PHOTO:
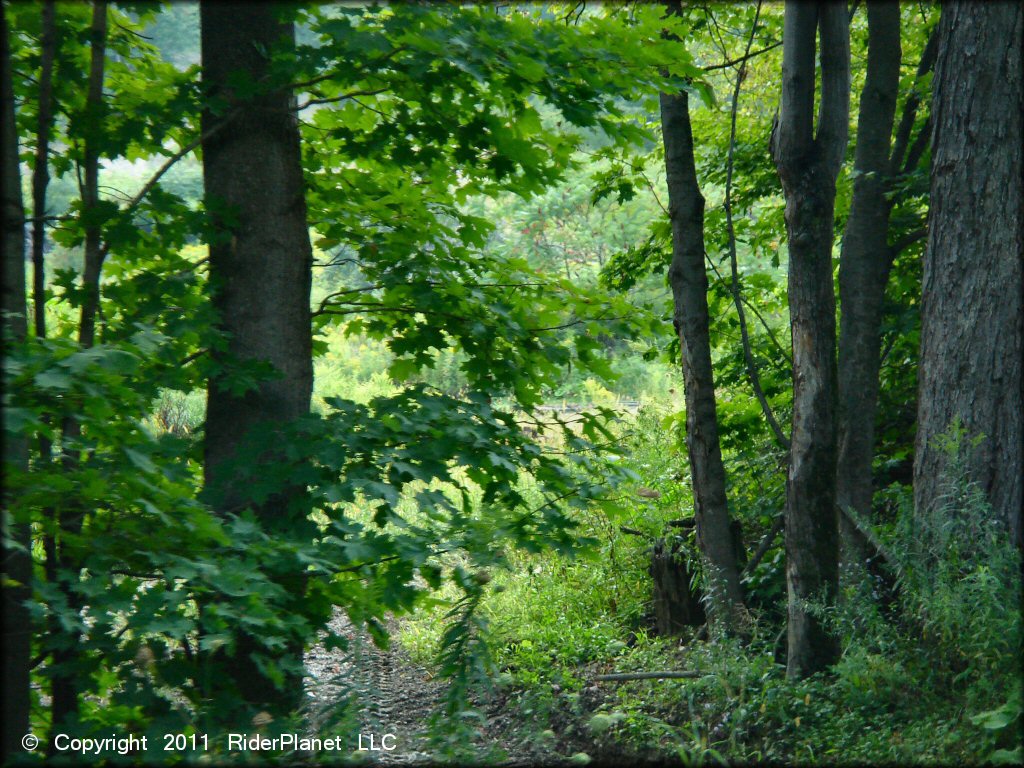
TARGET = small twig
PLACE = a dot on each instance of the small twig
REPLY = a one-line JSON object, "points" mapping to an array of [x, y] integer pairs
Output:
{"points": [[329, 75], [571, 12], [123, 28], [575, 322], [371, 307], [888, 348], [764, 323], [384, 115], [716, 29], [335, 262], [342, 97], [745, 57], [652, 189], [327, 299]]}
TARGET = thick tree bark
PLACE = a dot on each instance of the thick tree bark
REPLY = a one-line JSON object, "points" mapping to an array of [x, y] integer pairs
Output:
{"points": [[260, 268], [971, 311], [689, 282], [808, 166], [864, 267], [17, 563]]}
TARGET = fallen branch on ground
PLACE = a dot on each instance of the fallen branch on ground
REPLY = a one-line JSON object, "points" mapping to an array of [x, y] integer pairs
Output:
{"points": [[620, 676]]}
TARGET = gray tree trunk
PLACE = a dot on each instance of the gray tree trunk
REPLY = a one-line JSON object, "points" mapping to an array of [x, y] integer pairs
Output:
{"points": [[261, 271], [688, 279], [17, 563], [864, 267], [971, 311], [808, 165]]}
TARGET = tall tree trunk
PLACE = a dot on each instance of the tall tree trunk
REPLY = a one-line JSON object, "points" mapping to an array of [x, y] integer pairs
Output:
{"points": [[40, 183], [94, 251], [688, 278], [17, 562], [864, 267], [261, 271], [808, 166], [971, 312], [65, 684]]}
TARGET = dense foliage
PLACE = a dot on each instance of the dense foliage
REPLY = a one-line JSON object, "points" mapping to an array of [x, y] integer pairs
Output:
{"points": [[497, 436]]}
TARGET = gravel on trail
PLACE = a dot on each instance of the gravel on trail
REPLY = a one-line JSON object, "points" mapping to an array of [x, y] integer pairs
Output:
{"points": [[394, 695], [391, 694]]}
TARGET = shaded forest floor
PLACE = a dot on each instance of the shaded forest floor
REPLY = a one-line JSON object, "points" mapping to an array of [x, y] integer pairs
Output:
{"points": [[383, 691]]}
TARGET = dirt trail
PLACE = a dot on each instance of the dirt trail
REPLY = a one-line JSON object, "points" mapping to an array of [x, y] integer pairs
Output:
{"points": [[396, 696], [391, 694]]}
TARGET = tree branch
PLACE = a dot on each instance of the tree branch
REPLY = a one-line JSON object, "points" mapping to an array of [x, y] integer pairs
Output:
{"points": [[752, 374], [185, 150], [580, 321], [747, 303], [742, 59], [369, 307], [920, 144], [906, 241], [329, 75], [137, 199], [888, 348], [342, 97], [766, 543], [327, 299], [623, 676], [188, 359], [910, 107], [873, 541]]}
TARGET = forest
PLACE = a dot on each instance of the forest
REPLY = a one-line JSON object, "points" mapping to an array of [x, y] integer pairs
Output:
{"points": [[512, 384]]}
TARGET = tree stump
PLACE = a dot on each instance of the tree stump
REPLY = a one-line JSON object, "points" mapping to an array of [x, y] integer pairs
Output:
{"points": [[676, 604]]}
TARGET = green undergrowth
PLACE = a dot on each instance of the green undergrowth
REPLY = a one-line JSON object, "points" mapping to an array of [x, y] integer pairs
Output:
{"points": [[929, 673]]}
